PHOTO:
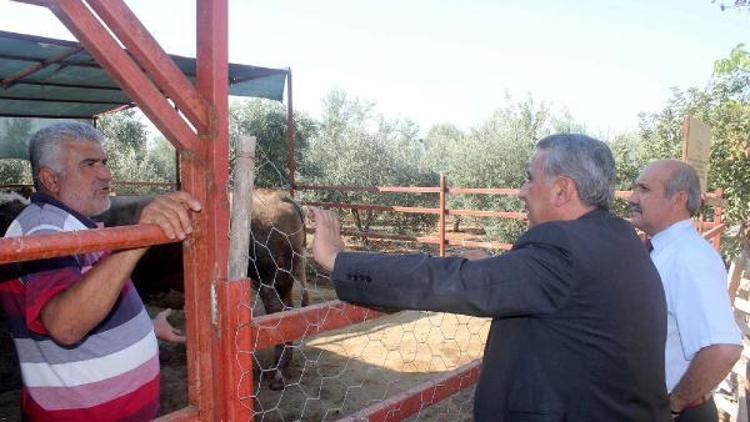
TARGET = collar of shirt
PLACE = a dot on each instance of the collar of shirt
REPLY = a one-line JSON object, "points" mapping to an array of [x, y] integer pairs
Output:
{"points": [[671, 233], [41, 198]]}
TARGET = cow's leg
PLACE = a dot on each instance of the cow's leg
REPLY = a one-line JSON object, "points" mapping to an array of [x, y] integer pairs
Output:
{"points": [[300, 275], [284, 352], [275, 299]]}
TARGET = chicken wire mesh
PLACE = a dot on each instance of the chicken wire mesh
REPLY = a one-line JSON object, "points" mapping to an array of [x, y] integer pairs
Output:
{"points": [[336, 373]]}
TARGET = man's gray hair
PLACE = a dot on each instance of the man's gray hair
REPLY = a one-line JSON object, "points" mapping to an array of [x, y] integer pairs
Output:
{"points": [[684, 178], [45, 143], [587, 161]]}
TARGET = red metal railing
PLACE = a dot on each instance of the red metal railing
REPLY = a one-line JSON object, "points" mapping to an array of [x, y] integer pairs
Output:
{"points": [[134, 183], [27, 248], [714, 199], [412, 401]]}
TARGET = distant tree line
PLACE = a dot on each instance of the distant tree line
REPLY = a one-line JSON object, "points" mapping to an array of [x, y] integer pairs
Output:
{"points": [[353, 144]]}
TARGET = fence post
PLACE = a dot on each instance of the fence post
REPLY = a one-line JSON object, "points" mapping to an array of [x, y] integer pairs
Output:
{"points": [[718, 216], [242, 207], [443, 192], [291, 162]]}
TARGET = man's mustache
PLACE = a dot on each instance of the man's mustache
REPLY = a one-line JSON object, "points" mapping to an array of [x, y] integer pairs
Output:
{"points": [[635, 208]]}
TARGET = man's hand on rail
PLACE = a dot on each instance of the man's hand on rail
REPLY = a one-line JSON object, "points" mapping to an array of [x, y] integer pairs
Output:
{"points": [[172, 213], [328, 241]]}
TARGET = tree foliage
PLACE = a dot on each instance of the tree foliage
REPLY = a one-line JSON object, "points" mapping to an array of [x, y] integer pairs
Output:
{"points": [[494, 154], [353, 144], [132, 156], [724, 104], [267, 121], [357, 146]]}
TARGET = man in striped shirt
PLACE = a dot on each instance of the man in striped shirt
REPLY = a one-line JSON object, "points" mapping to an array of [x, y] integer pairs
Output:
{"points": [[86, 345]]}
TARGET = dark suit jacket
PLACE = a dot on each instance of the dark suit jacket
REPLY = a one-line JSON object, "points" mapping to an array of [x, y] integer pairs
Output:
{"points": [[579, 318]]}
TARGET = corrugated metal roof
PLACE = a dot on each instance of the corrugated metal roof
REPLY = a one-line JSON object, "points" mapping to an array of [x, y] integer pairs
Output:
{"points": [[49, 78]]}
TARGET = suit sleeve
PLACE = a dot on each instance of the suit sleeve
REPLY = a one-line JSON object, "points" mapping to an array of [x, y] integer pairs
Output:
{"points": [[534, 278]]}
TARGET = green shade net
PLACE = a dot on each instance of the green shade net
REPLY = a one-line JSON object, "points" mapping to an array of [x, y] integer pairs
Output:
{"points": [[70, 84]]}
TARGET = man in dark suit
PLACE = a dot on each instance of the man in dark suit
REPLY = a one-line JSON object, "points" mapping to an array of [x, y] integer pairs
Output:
{"points": [[578, 309]]}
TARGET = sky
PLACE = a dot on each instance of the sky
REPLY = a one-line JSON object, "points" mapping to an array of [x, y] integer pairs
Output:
{"points": [[456, 61]]}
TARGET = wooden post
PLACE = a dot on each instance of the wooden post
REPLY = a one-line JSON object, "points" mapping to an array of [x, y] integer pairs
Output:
{"points": [[242, 204], [290, 131], [718, 216], [443, 191]]}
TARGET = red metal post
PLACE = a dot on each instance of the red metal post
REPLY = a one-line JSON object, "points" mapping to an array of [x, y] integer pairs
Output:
{"points": [[442, 213], [216, 348], [238, 361], [290, 132]]}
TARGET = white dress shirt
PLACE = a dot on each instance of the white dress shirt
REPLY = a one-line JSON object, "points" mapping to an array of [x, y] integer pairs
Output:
{"points": [[695, 283]]}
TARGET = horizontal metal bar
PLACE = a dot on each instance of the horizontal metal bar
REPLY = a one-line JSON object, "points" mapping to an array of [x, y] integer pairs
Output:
{"points": [[36, 38], [12, 79], [374, 189], [432, 240], [408, 210], [21, 58], [61, 62], [114, 182], [476, 244], [270, 330], [418, 210], [64, 85], [715, 231], [414, 400], [66, 100], [715, 201], [137, 183], [483, 191], [387, 236], [47, 116], [259, 75], [29, 248], [499, 214], [378, 235]]}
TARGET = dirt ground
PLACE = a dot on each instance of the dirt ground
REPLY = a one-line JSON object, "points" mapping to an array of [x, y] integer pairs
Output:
{"points": [[342, 371]]}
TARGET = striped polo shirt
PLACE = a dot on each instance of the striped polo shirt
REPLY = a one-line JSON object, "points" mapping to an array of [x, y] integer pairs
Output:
{"points": [[110, 374]]}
